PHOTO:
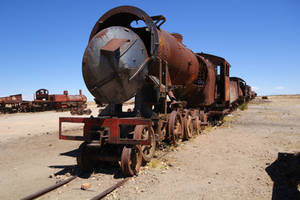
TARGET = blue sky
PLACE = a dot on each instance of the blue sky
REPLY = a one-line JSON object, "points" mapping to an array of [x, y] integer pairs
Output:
{"points": [[42, 42]]}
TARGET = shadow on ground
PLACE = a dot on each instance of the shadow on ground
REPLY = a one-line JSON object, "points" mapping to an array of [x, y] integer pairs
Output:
{"points": [[285, 173], [103, 168]]}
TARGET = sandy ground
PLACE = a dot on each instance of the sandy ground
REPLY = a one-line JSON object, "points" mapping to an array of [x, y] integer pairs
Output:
{"points": [[14, 126], [226, 162]]}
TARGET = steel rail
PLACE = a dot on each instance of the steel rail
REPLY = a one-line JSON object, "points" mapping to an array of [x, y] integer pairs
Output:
{"points": [[120, 183], [110, 189], [99, 196], [49, 189]]}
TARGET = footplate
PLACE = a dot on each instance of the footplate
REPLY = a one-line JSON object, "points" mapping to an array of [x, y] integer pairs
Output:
{"points": [[112, 123]]}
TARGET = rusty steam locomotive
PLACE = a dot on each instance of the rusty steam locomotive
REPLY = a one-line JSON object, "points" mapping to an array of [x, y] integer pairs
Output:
{"points": [[44, 101], [176, 91]]}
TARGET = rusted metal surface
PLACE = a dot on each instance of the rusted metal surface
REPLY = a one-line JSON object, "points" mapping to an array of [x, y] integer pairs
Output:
{"points": [[203, 119], [252, 94], [241, 88], [43, 101], [11, 103], [144, 132], [158, 44], [176, 90], [202, 93], [176, 127], [17, 98], [247, 92], [161, 131], [124, 16], [223, 83], [111, 123], [42, 94], [114, 64], [196, 122], [82, 110], [234, 92], [131, 161], [178, 37], [216, 112], [188, 124], [110, 189], [181, 61], [60, 97], [197, 72]]}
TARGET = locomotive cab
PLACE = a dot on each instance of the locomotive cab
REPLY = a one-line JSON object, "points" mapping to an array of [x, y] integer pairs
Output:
{"points": [[42, 94], [222, 68]]}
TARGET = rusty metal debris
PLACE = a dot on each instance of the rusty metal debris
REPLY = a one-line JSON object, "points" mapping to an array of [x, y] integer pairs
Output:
{"points": [[110, 189]]}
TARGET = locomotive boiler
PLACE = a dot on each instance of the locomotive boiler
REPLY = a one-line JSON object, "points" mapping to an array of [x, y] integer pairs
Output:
{"points": [[175, 90], [120, 59]]}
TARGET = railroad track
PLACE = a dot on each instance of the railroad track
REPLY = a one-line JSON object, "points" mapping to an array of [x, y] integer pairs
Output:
{"points": [[49, 189], [72, 178], [100, 195]]}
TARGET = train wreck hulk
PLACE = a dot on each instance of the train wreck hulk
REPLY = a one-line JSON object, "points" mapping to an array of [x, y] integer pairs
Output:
{"points": [[176, 90], [44, 101]]}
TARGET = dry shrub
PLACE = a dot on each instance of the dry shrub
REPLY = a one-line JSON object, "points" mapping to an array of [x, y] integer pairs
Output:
{"points": [[154, 163], [243, 106]]}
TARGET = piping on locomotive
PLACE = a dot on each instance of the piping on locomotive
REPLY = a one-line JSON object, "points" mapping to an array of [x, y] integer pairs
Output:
{"points": [[175, 90]]}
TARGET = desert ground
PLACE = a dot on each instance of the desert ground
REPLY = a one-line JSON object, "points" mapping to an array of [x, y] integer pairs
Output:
{"points": [[228, 161]]}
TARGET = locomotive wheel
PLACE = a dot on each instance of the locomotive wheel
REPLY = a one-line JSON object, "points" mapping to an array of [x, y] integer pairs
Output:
{"points": [[144, 132], [196, 123], [161, 130], [72, 111], [188, 125], [83, 158], [175, 127], [203, 118], [131, 161]]}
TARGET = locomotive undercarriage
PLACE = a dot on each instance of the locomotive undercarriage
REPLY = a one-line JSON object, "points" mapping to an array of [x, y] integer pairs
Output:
{"points": [[130, 138]]}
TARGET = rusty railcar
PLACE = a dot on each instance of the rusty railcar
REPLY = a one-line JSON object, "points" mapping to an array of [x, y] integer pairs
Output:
{"points": [[241, 90], [44, 101], [175, 90], [11, 103]]}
